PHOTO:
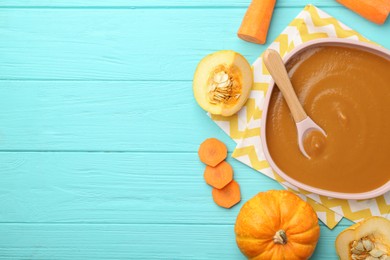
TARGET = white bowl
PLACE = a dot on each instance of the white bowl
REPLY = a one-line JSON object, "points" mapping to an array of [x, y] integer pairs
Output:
{"points": [[321, 42]]}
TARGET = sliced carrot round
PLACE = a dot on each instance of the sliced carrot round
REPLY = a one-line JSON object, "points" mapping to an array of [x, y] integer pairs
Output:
{"points": [[228, 196], [212, 151], [218, 176]]}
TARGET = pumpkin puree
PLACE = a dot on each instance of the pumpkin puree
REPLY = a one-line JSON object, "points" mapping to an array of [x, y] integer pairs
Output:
{"points": [[346, 91]]}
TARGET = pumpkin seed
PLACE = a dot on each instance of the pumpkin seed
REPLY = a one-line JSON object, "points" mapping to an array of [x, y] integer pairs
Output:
{"points": [[217, 77], [222, 88], [212, 87], [224, 84], [355, 251], [359, 246], [224, 78], [221, 77], [376, 252], [368, 245], [218, 94], [384, 257], [212, 101], [218, 98], [381, 247], [357, 257]]}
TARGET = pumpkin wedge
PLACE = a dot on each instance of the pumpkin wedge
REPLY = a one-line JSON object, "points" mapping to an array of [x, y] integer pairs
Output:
{"points": [[369, 239], [222, 82], [276, 225]]}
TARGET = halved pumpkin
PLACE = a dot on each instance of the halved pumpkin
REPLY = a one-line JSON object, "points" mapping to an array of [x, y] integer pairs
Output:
{"points": [[369, 239], [222, 82]]}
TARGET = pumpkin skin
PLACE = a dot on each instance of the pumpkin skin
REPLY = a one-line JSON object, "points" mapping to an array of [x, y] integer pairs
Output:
{"points": [[263, 219]]}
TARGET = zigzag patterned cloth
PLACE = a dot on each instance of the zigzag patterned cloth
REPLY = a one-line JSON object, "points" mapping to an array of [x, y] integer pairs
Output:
{"points": [[244, 127]]}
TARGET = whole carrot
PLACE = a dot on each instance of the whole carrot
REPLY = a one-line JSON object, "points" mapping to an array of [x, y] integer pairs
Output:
{"points": [[374, 10], [255, 24]]}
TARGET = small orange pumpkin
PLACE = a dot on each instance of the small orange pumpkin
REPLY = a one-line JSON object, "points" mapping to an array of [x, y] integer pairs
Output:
{"points": [[277, 224]]}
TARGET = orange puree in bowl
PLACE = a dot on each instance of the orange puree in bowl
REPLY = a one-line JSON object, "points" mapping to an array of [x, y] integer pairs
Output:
{"points": [[346, 91]]}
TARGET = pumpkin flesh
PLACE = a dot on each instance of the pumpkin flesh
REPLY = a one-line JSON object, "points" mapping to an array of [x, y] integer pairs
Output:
{"points": [[373, 231], [222, 82]]}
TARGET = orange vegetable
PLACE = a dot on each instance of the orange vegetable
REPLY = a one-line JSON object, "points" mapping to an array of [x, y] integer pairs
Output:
{"points": [[386, 3], [222, 82], [374, 10], [228, 196], [218, 176], [277, 224], [365, 240], [212, 151], [255, 24]]}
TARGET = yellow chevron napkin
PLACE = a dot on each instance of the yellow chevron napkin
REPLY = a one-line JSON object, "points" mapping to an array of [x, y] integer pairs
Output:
{"points": [[244, 127]]}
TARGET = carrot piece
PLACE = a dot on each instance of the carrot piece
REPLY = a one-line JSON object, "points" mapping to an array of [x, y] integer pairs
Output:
{"points": [[212, 151], [218, 176], [228, 196], [374, 10], [255, 24], [386, 3]]}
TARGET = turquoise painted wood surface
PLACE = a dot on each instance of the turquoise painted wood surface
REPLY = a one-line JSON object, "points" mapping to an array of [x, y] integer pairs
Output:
{"points": [[99, 129]]}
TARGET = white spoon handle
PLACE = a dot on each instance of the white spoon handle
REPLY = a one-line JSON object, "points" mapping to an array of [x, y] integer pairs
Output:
{"points": [[276, 68]]}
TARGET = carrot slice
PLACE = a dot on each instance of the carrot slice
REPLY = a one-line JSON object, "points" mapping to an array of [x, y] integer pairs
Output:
{"points": [[228, 196], [212, 151], [218, 176], [255, 24], [374, 10]]}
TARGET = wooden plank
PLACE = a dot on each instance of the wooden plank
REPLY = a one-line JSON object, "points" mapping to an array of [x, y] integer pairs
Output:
{"points": [[115, 188], [134, 188], [103, 116], [125, 44], [47, 242], [155, 3]]}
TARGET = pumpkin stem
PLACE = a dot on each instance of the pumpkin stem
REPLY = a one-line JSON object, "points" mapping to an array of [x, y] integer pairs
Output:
{"points": [[280, 237]]}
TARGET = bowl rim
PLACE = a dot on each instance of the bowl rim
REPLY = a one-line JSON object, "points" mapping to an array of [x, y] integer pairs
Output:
{"points": [[370, 47]]}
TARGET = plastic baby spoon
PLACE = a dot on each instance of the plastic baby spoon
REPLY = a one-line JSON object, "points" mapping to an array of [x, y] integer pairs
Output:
{"points": [[304, 123]]}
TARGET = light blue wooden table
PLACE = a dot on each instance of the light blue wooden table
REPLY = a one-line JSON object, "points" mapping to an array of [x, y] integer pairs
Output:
{"points": [[99, 129]]}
